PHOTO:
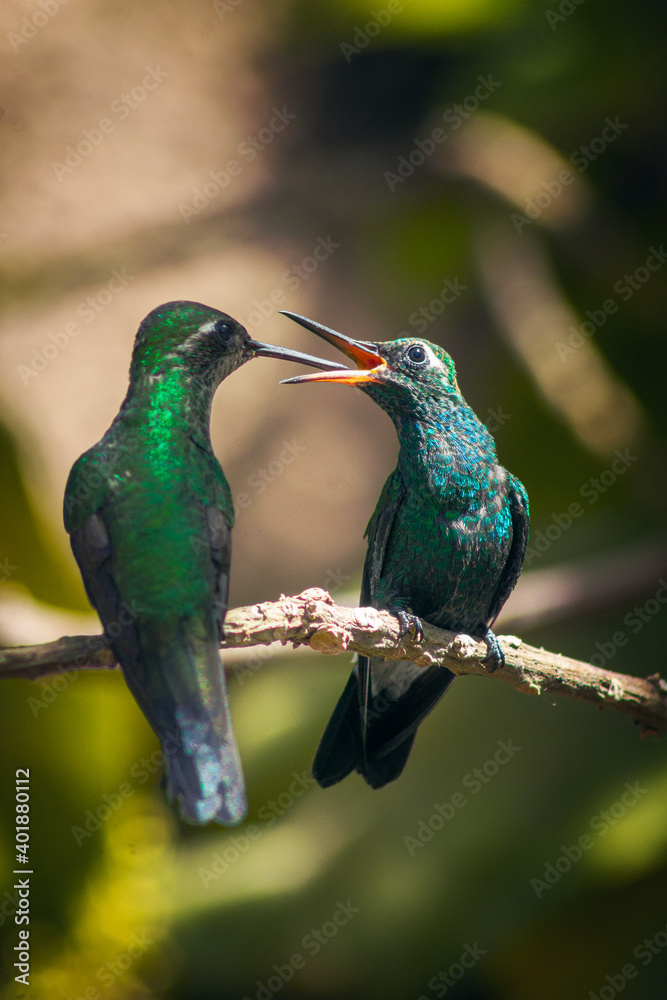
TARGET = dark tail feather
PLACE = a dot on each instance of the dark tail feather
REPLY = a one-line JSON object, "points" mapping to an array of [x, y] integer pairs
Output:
{"points": [[181, 691], [378, 771], [341, 747], [374, 734], [178, 682], [392, 721]]}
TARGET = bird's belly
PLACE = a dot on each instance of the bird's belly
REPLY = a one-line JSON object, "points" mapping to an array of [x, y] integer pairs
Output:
{"points": [[446, 566]]}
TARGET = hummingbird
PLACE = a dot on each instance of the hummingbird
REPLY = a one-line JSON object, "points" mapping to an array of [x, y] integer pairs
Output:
{"points": [[446, 543], [150, 514]]}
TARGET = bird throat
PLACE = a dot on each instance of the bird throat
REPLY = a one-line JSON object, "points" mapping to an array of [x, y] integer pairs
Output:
{"points": [[169, 404], [446, 450]]}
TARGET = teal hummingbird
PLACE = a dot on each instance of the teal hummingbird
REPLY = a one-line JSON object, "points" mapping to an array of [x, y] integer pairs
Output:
{"points": [[445, 544], [150, 516]]}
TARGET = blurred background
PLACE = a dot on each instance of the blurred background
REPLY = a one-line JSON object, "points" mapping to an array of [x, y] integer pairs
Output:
{"points": [[488, 174]]}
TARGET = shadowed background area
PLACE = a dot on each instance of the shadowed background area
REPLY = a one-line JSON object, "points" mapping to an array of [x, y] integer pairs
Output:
{"points": [[483, 173]]}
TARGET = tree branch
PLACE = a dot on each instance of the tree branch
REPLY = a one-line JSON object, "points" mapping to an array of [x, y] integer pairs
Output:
{"points": [[312, 619]]}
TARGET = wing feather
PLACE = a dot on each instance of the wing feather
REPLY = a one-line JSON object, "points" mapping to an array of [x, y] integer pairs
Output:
{"points": [[520, 514]]}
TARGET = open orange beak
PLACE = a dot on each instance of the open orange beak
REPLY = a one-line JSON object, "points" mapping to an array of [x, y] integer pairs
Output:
{"points": [[362, 352]]}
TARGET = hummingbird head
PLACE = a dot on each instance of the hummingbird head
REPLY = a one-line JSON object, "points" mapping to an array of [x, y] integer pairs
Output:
{"points": [[409, 376], [202, 343]]}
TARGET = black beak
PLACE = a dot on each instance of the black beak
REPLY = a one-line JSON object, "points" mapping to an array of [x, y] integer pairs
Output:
{"points": [[362, 352], [285, 354]]}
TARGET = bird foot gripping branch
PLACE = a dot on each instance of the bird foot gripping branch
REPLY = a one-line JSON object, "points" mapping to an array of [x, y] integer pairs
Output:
{"points": [[313, 619], [465, 648]]}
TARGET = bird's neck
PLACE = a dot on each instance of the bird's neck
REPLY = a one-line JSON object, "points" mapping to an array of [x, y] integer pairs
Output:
{"points": [[447, 446], [169, 404]]}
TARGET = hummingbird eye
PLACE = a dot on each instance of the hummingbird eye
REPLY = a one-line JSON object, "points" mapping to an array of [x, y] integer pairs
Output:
{"points": [[417, 354], [223, 331]]}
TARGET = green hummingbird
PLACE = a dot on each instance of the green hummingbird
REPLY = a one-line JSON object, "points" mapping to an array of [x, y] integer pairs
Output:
{"points": [[445, 544], [150, 516]]}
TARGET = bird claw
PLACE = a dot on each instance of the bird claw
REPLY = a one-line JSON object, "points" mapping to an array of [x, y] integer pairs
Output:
{"points": [[495, 656], [409, 624]]}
